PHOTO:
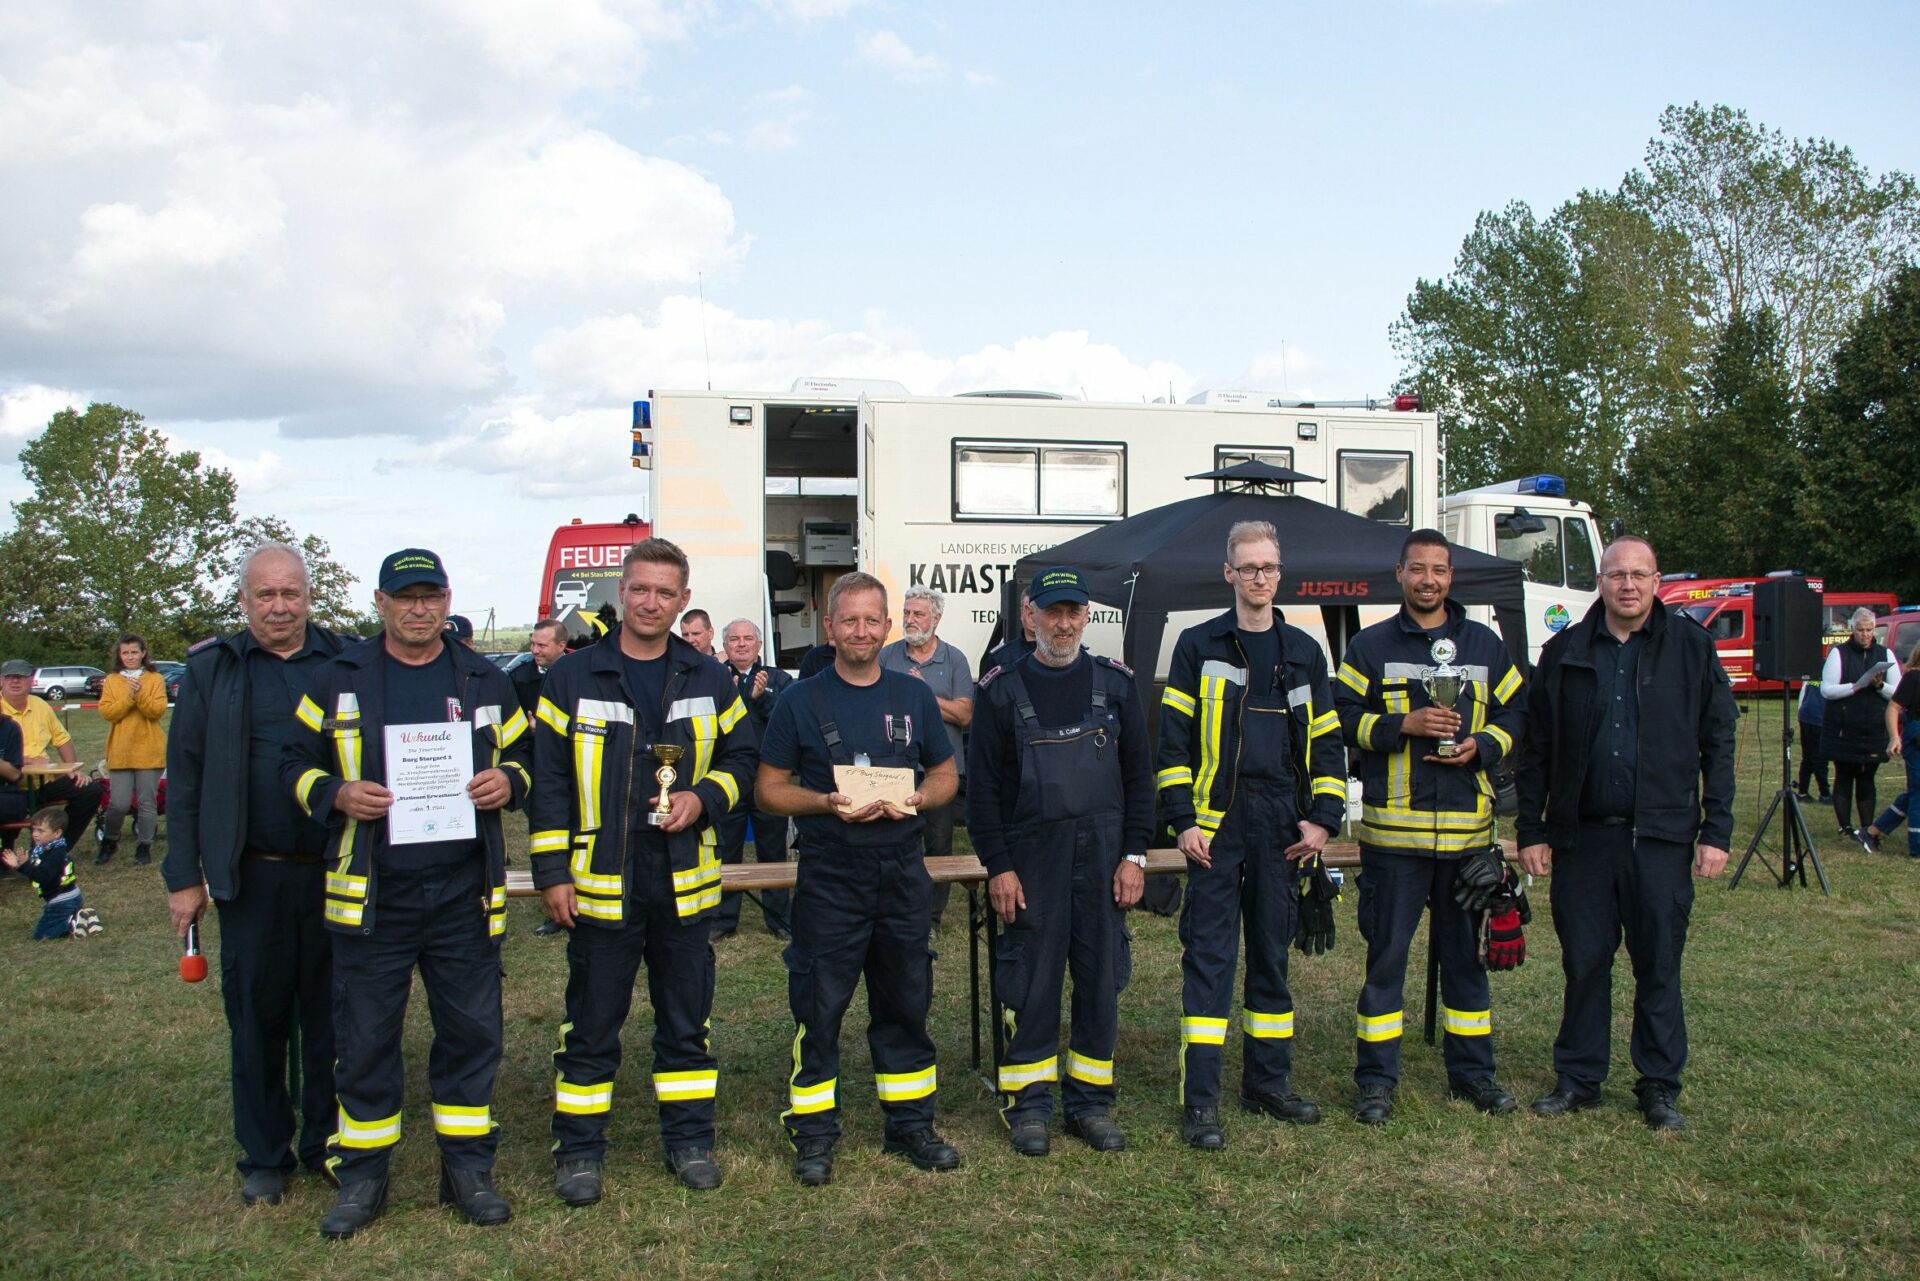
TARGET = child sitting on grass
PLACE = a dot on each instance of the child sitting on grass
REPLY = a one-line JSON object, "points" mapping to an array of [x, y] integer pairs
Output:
{"points": [[51, 871]]}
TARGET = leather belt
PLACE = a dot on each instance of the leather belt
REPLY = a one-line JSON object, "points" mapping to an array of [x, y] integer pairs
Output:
{"points": [[267, 856]]}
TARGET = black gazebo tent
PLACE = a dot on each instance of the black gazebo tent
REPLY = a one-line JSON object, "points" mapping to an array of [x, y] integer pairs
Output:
{"points": [[1169, 559]]}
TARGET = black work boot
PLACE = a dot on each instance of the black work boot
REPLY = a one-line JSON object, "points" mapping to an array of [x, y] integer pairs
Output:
{"points": [[1657, 1109], [1200, 1127], [1029, 1138], [813, 1162], [142, 854], [263, 1187], [577, 1182], [105, 852], [357, 1205], [1564, 1099], [1374, 1105], [1281, 1104], [471, 1192], [926, 1149], [694, 1168], [1097, 1131], [1484, 1093]]}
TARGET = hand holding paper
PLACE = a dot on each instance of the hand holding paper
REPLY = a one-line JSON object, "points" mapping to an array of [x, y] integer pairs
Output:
{"points": [[868, 785]]}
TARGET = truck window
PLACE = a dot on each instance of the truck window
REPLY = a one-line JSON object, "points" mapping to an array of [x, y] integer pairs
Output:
{"points": [[1377, 484], [1582, 567], [1728, 624], [1534, 543], [994, 480], [1230, 455]]}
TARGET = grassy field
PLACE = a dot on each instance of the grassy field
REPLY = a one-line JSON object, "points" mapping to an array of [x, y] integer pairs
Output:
{"points": [[1803, 1101]]}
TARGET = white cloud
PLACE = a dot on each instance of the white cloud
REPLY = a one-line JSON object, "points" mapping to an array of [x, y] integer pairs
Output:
{"points": [[783, 112], [886, 50], [258, 477], [24, 411], [572, 41], [806, 11]]}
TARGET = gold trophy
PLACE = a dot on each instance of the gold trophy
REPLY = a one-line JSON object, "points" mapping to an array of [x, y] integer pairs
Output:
{"points": [[1443, 683], [666, 754]]}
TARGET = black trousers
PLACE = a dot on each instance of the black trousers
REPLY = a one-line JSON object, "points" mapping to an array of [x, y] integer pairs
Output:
{"points": [[1251, 879], [1813, 766], [602, 963], [1853, 787], [1070, 924], [769, 846], [436, 921], [1607, 887], [861, 910], [1395, 890], [276, 973], [82, 801]]}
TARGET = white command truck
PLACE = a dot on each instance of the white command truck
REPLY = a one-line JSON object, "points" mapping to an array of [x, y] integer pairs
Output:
{"points": [[1553, 537], [774, 496]]}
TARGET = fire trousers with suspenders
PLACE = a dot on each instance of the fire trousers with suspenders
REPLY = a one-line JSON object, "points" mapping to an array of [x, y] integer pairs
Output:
{"points": [[861, 907], [1066, 841]]}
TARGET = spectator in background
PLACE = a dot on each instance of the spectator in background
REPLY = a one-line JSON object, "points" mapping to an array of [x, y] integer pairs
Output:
{"points": [[1813, 766], [1854, 736], [759, 688], [51, 871], [460, 628], [547, 644], [132, 701], [922, 654], [696, 629], [1903, 740], [13, 797], [41, 732]]}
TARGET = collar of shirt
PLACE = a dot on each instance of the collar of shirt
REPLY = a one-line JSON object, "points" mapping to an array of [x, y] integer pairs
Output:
{"points": [[249, 643]]}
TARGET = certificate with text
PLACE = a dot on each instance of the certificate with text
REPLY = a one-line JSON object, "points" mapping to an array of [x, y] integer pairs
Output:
{"points": [[428, 769]]}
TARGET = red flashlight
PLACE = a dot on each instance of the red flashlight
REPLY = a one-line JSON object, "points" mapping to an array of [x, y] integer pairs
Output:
{"points": [[193, 966]]}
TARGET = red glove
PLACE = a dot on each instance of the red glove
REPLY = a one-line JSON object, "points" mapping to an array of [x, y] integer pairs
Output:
{"points": [[1506, 938]]}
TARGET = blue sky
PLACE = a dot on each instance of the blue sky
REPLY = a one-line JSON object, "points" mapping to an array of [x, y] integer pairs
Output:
{"points": [[400, 264]]}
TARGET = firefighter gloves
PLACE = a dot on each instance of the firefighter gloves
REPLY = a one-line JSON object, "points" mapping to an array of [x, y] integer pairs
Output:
{"points": [[1317, 897], [1480, 874]]}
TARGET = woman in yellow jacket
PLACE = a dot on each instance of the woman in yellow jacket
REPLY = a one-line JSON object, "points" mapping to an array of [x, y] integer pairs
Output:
{"points": [[132, 701]]}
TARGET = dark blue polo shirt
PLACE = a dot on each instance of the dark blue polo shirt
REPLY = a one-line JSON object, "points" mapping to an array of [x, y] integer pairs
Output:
{"points": [[424, 695], [275, 822]]}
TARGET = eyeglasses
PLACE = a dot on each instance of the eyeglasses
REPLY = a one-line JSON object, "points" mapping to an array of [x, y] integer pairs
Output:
{"points": [[1620, 577], [1252, 573]]}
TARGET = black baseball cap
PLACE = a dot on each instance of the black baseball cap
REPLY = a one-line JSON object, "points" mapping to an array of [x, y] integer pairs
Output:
{"points": [[460, 627], [409, 567], [1061, 583]]}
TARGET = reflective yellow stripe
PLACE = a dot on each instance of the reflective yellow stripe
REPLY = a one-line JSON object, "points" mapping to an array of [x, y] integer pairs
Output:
{"points": [[1330, 786], [303, 790], [705, 730], [1173, 776], [1092, 1071], [679, 1087], [900, 1087], [461, 1123], [807, 1099], [516, 726], [1198, 1030], [588, 752], [1018, 1076], [1178, 700], [1508, 684], [1426, 842], [733, 715], [1466, 1022], [383, 1133], [555, 719], [520, 771], [1377, 1027], [548, 842], [705, 870], [347, 886], [581, 1100], [1350, 677], [727, 785], [1267, 1027], [1212, 717], [496, 923], [344, 913], [694, 904], [308, 713], [1452, 820], [598, 909], [1363, 732], [1323, 724], [1499, 736]]}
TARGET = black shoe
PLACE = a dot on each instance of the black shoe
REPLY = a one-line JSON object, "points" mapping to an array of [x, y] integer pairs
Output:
{"points": [[1657, 1110], [1564, 1100], [925, 1149], [142, 855], [1825, 798], [1484, 1093], [105, 852], [547, 927], [1869, 841], [471, 1192], [1848, 834], [263, 1187], [357, 1205], [813, 1162], [577, 1182], [1374, 1105], [694, 1167], [1282, 1105], [1803, 798], [1029, 1138], [1097, 1131], [1200, 1127]]}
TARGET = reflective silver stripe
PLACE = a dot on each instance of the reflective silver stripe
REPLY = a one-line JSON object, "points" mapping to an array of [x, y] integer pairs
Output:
{"points": [[1299, 696], [600, 709], [488, 715], [1403, 671], [684, 708], [1223, 671]]}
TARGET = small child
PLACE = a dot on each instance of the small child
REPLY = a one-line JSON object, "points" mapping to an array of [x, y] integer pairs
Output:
{"points": [[51, 871]]}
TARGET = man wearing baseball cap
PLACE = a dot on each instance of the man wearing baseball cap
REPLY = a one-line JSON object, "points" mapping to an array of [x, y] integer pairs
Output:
{"points": [[40, 733], [427, 892], [1060, 812]]}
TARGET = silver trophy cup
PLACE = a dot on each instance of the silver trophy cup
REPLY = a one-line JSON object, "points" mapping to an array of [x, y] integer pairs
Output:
{"points": [[1443, 684]]}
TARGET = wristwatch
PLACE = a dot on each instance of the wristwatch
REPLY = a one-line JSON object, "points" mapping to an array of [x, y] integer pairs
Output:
{"points": [[1138, 860]]}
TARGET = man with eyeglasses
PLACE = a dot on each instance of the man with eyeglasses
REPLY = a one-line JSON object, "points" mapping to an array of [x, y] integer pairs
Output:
{"points": [[1426, 825], [1626, 786], [1252, 778]]}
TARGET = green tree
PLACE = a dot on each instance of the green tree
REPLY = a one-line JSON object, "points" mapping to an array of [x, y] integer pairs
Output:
{"points": [[1796, 227], [1859, 503]]}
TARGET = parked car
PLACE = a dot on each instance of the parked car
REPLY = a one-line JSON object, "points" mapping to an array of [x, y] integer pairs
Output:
{"points": [[168, 669], [510, 661], [58, 684], [1899, 631]]}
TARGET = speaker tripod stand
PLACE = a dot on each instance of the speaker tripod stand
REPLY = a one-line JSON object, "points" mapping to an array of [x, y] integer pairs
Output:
{"points": [[1796, 842]]}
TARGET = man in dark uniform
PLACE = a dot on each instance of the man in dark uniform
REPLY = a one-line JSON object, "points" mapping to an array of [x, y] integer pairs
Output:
{"points": [[758, 686], [1426, 818], [232, 827], [632, 883], [1626, 786], [861, 902], [1060, 811], [547, 643], [412, 887], [1252, 780]]}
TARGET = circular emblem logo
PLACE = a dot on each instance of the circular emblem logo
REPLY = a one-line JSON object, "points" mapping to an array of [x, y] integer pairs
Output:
{"points": [[1443, 651], [1557, 618], [430, 827]]}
